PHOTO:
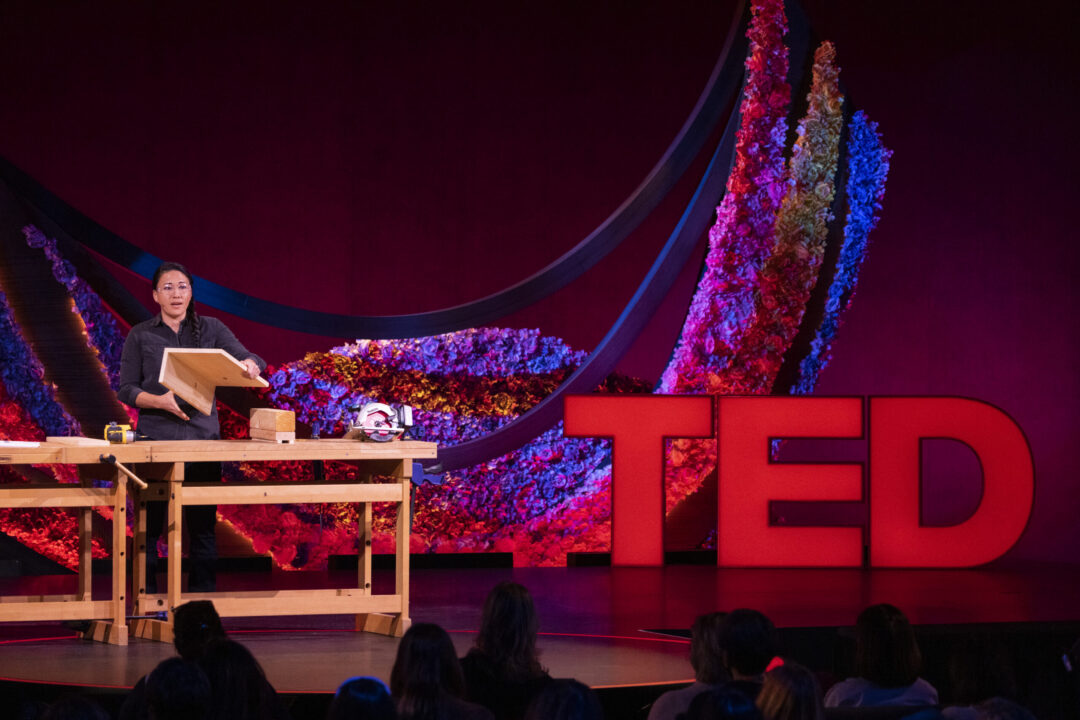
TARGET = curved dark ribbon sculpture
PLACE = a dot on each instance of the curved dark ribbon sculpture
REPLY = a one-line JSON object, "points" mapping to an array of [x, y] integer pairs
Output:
{"points": [[695, 220], [715, 98]]}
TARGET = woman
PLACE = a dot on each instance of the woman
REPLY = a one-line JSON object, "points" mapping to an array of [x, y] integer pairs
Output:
{"points": [[163, 416], [887, 664], [790, 692], [426, 679], [503, 672], [239, 689]]}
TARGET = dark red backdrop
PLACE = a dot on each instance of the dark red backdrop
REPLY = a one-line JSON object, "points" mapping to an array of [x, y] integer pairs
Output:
{"points": [[384, 160]]}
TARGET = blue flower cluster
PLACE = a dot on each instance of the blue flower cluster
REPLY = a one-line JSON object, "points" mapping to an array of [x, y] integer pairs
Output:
{"points": [[521, 485], [476, 351], [103, 332], [24, 378], [868, 168]]}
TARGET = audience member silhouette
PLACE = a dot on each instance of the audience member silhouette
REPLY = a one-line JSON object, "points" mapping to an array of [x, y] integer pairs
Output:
{"points": [[196, 624], [748, 643], [1002, 709], [362, 698], [503, 671], [790, 692], [427, 681], [74, 707], [887, 664], [565, 700], [177, 690], [707, 661], [722, 702], [979, 669], [239, 689]]}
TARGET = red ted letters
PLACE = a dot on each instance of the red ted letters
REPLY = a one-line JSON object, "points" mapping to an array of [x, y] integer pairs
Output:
{"points": [[748, 480]]}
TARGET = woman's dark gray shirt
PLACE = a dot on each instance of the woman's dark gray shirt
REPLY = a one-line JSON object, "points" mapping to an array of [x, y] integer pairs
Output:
{"points": [[140, 366]]}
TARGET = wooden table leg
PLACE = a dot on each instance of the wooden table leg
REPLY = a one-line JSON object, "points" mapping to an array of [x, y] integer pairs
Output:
{"points": [[119, 633], [152, 628], [115, 632], [138, 546], [364, 541], [175, 534], [84, 590], [363, 549], [394, 624], [404, 527]]}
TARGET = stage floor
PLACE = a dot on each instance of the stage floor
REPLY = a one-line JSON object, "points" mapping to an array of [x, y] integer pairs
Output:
{"points": [[599, 624]]}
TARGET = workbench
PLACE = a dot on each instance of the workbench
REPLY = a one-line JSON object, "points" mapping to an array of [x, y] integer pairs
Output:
{"points": [[161, 465]]}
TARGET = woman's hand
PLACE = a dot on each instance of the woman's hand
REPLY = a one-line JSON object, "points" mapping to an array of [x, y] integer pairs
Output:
{"points": [[168, 403], [251, 368]]}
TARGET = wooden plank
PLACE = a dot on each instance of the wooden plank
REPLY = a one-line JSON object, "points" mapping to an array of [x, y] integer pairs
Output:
{"points": [[38, 598], [276, 494], [347, 601], [251, 450], [77, 441], [29, 456], [14, 611], [55, 496], [194, 374], [273, 419], [126, 453], [302, 449], [276, 436]]}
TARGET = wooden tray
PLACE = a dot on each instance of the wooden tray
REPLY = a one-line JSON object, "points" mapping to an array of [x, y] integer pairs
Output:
{"points": [[194, 374]]}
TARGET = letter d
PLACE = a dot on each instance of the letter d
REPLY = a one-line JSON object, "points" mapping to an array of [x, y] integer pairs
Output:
{"points": [[897, 539]]}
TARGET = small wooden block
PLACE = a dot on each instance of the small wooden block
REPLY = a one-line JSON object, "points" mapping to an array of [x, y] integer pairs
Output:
{"points": [[383, 624], [272, 436], [150, 629], [106, 632], [271, 419]]}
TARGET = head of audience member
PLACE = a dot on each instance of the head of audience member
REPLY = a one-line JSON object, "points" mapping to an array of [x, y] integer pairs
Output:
{"points": [[997, 708], [791, 692], [886, 652], [565, 700], [748, 642], [237, 682], [706, 656], [508, 628], [980, 668], [362, 698], [74, 707], [196, 624], [425, 671], [177, 690], [721, 702]]}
